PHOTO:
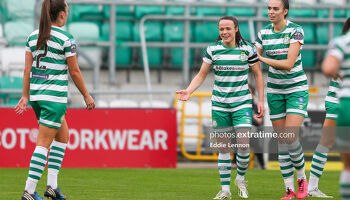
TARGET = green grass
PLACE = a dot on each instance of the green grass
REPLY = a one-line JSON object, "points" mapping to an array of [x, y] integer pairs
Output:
{"points": [[154, 184]]}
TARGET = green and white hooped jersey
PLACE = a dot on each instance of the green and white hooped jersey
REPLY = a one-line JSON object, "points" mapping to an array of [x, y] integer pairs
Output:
{"points": [[231, 67], [340, 48], [332, 91], [276, 46], [49, 74]]}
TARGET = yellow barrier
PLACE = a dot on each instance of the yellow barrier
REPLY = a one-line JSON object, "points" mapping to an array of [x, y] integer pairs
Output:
{"points": [[198, 153]]}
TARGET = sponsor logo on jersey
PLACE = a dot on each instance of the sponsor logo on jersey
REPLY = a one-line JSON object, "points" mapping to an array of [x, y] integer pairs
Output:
{"points": [[276, 52], [40, 76]]}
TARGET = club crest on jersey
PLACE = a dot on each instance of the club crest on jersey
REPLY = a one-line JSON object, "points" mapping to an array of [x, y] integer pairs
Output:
{"points": [[243, 57], [286, 39]]}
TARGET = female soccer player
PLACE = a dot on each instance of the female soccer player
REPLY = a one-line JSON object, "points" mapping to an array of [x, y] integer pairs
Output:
{"points": [[287, 90], [231, 58], [338, 60], [326, 143], [50, 53]]}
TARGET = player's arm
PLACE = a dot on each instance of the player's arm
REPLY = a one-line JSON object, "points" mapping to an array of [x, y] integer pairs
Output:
{"points": [[23, 102], [286, 64], [330, 66], [78, 79], [259, 80], [335, 55], [184, 95]]}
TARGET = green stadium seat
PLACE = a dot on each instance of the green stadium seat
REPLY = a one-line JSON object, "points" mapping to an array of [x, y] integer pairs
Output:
{"points": [[245, 30], [302, 12], [87, 31], [176, 58], [86, 12], [309, 33], [153, 31], [308, 58], [140, 11], [123, 57], [123, 30], [245, 12], [323, 31], [84, 31], [10, 82], [174, 31], [206, 32], [155, 57], [17, 32], [121, 11], [210, 11], [19, 9]]}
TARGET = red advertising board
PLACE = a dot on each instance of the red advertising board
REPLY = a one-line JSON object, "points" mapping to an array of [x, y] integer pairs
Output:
{"points": [[98, 138]]}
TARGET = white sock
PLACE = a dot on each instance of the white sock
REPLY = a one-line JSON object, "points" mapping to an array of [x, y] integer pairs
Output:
{"points": [[57, 149], [224, 164], [239, 178], [31, 185], [289, 183], [345, 185], [313, 182]]}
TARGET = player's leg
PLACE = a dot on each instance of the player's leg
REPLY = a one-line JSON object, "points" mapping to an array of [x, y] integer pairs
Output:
{"points": [[343, 145], [242, 122], [319, 158], [56, 155], [296, 112], [222, 125], [277, 106], [345, 177], [39, 158]]}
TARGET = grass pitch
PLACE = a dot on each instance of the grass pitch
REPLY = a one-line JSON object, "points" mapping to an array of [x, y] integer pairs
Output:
{"points": [[155, 184]]}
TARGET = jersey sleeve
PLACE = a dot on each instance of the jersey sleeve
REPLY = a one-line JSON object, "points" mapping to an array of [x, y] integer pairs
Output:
{"points": [[253, 56], [297, 35], [70, 48], [27, 45], [258, 42], [335, 49], [208, 56]]}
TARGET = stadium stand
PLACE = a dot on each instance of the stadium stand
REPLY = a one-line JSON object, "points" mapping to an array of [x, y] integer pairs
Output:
{"points": [[155, 104], [87, 31], [123, 103], [8, 83], [12, 61]]}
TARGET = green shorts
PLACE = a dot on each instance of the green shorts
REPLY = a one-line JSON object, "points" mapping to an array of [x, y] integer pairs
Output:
{"points": [[331, 110], [50, 114], [282, 104], [239, 119], [343, 124]]}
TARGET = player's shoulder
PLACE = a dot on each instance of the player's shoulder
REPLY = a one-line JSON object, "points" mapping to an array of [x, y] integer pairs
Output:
{"points": [[294, 26], [342, 41], [266, 27], [215, 46], [62, 34], [34, 33]]}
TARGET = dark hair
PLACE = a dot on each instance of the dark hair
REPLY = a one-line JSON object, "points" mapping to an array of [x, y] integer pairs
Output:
{"points": [[238, 36], [285, 4], [50, 10], [346, 26]]}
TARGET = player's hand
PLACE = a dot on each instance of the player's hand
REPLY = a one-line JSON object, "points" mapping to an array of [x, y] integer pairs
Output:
{"points": [[21, 106], [90, 103], [261, 110], [184, 95]]}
